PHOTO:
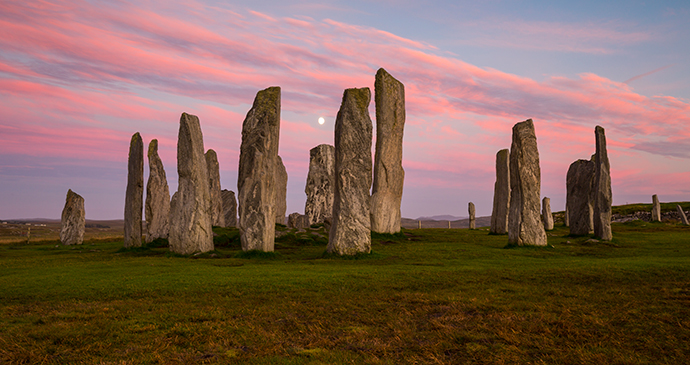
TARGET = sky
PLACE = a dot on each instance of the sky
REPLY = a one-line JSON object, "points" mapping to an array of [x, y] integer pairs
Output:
{"points": [[78, 78]]}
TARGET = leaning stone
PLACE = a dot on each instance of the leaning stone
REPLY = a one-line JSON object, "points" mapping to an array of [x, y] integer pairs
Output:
{"points": [[320, 183], [213, 168], [256, 192], [73, 222], [134, 204], [499, 215], [525, 226], [656, 209], [602, 188], [281, 177], [190, 208], [471, 210], [546, 214], [157, 207], [388, 171], [299, 221], [229, 207], [580, 197], [350, 230], [683, 217]]}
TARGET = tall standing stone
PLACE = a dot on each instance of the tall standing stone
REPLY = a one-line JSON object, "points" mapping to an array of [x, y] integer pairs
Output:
{"points": [[525, 226], [388, 171], [473, 220], [546, 213], [566, 216], [190, 208], [350, 230], [320, 184], [73, 222], [229, 207], [580, 197], [256, 192], [499, 215], [134, 197], [683, 217], [281, 177], [602, 188], [656, 209], [157, 206], [213, 168]]}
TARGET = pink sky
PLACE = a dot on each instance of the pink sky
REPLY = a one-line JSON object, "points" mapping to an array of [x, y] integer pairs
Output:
{"points": [[78, 78]]}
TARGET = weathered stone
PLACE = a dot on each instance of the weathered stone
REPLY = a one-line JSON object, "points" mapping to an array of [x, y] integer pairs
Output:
{"points": [[473, 220], [683, 217], [229, 207], [566, 216], [256, 192], [351, 225], [580, 197], [134, 197], [656, 209], [388, 171], [546, 214], [73, 220], [299, 221], [525, 226], [281, 177], [157, 197], [499, 215], [602, 188], [213, 169], [190, 207], [320, 183]]}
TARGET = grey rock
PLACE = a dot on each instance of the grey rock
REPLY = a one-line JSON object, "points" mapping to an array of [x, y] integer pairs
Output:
{"points": [[73, 222], [602, 188], [566, 216], [546, 215], [299, 221], [681, 214], [473, 220], [656, 209], [389, 175], [499, 214], [213, 169], [190, 208], [157, 206], [281, 177], [580, 197], [134, 196], [525, 226], [256, 192], [351, 225], [320, 184], [229, 207]]}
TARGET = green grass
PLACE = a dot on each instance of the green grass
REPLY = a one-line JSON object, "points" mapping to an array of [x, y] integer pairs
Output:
{"points": [[632, 208], [423, 296]]}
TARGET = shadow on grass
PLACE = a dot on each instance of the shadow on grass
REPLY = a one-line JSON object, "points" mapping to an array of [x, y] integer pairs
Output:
{"points": [[359, 256], [258, 254], [513, 246]]}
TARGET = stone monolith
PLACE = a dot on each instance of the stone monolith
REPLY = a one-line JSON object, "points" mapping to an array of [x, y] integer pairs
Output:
{"points": [[683, 217], [602, 188], [256, 191], [525, 225], [73, 221], [134, 196], [473, 220], [229, 207], [389, 175], [580, 197], [299, 221], [320, 183], [499, 214], [213, 169], [546, 215], [281, 177], [190, 207], [566, 216], [656, 209], [350, 229], [157, 207]]}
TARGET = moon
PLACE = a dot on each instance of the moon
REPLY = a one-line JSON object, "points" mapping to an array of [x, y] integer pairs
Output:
{"points": [[321, 120]]}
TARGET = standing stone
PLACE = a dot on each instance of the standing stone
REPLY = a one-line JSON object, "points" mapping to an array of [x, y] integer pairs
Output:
{"points": [[256, 192], [580, 197], [134, 197], [229, 207], [499, 215], [299, 221], [566, 216], [473, 220], [350, 230], [190, 208], [73, 220], [656, 209], [157, 197], [602, 188], [213, 168], [546, 214], [525, 226], [683, 217], [320, 183], [281, 177], [388, 171]]}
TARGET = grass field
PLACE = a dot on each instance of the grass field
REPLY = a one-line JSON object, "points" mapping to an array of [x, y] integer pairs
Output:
{"points": [[426, 296]]}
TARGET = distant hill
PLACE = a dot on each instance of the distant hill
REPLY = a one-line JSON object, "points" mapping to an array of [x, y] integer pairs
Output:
{"points": [[445, 217]]}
